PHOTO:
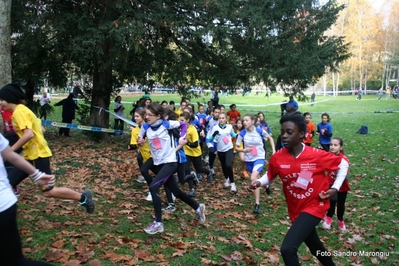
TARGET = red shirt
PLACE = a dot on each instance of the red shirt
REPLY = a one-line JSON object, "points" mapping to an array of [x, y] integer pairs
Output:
{"points": [[310, 128], [7, 119], [315, 161], [233, 116], [333, 175]]}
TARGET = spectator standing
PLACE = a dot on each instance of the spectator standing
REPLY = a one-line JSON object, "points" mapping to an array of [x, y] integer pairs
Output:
{"points": [[380, 92], [292, 105], [215, 98], [68, 113], [388, 93], [359, 94], [119, 110], [312, 98], [44, 105]]}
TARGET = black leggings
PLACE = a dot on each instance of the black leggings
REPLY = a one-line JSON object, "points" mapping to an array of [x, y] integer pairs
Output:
{"points": [[197, 163], [10, 241], [226, 160], [16, 176], [164, 176], [304, 230], [338, 201], [212, 156]]}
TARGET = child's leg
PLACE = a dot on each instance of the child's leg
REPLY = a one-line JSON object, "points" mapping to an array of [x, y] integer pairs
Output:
{"points": [[341, 205]]}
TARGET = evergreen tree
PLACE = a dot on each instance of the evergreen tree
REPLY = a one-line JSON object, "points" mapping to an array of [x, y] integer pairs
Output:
{"points": [[211, 43]]}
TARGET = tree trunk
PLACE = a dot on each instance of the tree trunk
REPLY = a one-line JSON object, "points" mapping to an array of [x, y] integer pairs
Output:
{"points": [[5, 45], [101, 94]]}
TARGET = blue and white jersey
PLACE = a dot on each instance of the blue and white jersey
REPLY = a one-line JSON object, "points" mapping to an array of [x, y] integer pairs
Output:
{"points": [[223, 139], [162, 145], [211, 124], [253, 139]]}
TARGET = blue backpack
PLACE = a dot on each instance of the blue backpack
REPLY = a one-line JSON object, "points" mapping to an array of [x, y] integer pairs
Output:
{"points": [[363, 130]]}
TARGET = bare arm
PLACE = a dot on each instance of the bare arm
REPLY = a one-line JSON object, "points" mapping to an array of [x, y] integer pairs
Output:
{"points": [[27, 136], [16, 160]]}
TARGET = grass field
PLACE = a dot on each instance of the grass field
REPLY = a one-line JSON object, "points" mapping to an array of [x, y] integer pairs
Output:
{"points": [[60, 232]]}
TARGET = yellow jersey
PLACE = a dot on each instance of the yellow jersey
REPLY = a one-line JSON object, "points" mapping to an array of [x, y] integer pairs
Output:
{"points": [[37, 147], [192, 136], [145, 149]]}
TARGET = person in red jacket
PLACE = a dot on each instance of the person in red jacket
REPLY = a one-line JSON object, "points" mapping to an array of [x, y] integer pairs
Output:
{"points": [[306, 188], [337, 148]]}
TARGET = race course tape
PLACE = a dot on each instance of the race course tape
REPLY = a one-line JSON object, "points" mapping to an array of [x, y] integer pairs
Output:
{"points": [[48, 123]]}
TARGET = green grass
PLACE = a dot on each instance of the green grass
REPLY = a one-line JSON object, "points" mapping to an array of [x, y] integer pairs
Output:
{"points": [[232, 235]]}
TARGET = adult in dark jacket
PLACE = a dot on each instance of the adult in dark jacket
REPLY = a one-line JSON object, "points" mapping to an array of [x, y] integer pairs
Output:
{"points": [[68, 113]]}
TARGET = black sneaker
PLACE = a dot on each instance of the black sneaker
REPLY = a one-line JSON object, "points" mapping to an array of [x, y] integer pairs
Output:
{"points": [[269, 190], [257, 208], [210, 178], [88, 203], [199, 176]]}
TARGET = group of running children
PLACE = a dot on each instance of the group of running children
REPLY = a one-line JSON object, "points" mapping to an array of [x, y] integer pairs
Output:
{"points": [[168, 141]]}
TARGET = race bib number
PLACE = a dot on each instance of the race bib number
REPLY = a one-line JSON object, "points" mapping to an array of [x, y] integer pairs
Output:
{"points": [[303, 179], [254, 151], [225, 140], [157, 143]]}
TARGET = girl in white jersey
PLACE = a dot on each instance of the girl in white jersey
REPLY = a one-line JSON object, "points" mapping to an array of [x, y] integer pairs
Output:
{"points": [[10, 240], [221, 134], [163, 150], [254, 152]]}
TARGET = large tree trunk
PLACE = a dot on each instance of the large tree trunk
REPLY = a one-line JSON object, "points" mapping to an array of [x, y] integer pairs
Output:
{"points": [[102, 88], [5, 45]]}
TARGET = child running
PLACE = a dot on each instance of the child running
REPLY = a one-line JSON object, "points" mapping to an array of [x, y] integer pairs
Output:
{"points": [[221, 134], [237, 129], [144, 153], [211, 145], [337, 148], [35, 148], [10, 240], [325, 131], [193, 152], [302, 171], [254, 153], [163, 152], [310, 129], [233, 114]]}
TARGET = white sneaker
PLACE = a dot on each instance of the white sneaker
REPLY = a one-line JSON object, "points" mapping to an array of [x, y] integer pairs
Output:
{"points": [[227, 183], [173, 197], [154, 228], [233, 187], [149, 197], [201, 213], [141, 179]]}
